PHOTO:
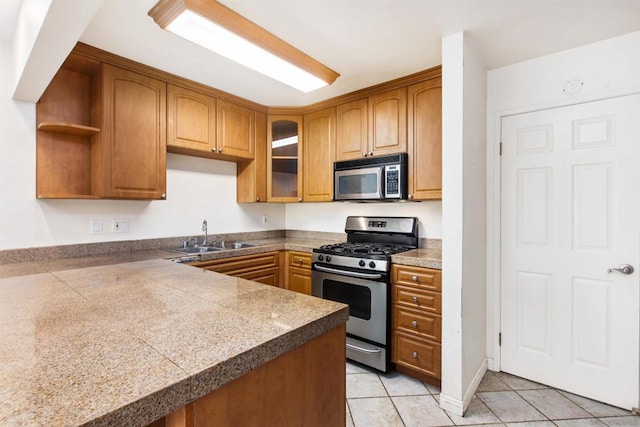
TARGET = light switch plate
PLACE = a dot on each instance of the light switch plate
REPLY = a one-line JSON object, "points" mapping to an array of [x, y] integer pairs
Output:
{"points": [[96, 226]]}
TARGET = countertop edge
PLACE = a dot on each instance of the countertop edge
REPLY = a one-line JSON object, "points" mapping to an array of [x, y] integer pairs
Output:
{"points": [[156, 405]]}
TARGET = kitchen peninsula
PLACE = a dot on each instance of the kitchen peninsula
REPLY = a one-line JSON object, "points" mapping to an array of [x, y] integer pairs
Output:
{"points": [[131, 343]]}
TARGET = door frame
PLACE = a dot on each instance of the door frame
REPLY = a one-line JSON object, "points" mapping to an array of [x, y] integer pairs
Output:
{"points": [[494, 205]]}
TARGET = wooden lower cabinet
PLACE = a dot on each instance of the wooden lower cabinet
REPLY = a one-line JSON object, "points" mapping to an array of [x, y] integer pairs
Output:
{"points": [[263, 268], [416, 317], [304, 387], [298, 275]]}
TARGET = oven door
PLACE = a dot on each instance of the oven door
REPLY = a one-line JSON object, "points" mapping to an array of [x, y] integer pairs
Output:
{"points": [[366, 297]]}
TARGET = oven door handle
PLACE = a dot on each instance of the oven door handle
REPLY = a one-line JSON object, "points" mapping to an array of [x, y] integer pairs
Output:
{"points": [[348, 273], [363, 350]]}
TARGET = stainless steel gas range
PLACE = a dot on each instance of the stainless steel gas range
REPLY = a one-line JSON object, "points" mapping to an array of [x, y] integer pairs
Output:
{"points": [[356, 273]]}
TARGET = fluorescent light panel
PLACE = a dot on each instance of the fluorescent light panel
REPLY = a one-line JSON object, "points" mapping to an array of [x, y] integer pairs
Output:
{"points": [[203, 23]]}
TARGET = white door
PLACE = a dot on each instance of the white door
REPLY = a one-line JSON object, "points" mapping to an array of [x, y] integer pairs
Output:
{"points": [[570, 211]]}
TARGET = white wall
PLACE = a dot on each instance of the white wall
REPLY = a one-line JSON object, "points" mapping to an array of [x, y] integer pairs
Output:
{"points": [[604, 69], [464, 223], [330, 217], [197, 189]]}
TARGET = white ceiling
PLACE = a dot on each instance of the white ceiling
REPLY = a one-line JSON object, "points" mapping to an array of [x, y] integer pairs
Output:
{"points": [[366, 41]]}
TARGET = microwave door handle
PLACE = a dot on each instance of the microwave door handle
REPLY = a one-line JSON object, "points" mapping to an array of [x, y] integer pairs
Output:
{"points": [[348, 273]]}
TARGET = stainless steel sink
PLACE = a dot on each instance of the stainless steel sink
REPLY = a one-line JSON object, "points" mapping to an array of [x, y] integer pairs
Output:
{"points": [[197, 249], [239, 245]]}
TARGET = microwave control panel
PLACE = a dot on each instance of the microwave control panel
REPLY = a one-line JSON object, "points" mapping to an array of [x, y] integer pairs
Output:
{"points": [[392, 181]]}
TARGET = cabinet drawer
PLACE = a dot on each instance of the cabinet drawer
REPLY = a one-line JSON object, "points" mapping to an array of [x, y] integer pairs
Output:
{"points": [[417, 353], [298, 259], [418, 322], [417, 298], [268, 276], [416, 276], [241, 264]]}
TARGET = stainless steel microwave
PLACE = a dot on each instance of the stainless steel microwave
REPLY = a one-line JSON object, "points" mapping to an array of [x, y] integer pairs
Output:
{"points": [[381, 178]]}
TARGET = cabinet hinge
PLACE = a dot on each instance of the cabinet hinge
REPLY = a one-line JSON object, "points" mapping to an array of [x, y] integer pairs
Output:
{"points": [[501, 148], [500, 339]]}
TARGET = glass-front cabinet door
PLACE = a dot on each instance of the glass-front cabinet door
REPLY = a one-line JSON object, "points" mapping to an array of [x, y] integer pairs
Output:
{"points": [[284, 174]]}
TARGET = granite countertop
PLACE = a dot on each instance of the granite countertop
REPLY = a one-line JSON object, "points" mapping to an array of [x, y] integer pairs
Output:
{"points": [[127, 343], [126, 338], [427, 258]]}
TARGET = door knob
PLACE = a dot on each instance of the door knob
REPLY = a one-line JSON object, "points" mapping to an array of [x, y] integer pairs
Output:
{"points": [[624, 269]]}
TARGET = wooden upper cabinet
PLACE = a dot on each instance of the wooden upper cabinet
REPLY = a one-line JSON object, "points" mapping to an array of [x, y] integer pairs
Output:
{"points": [[191, 121], [388, 123], [425, 139], [252, 174], [352, 141], [318, 155], [373, 126], [284, 164], [235, 130], [134, 135]]}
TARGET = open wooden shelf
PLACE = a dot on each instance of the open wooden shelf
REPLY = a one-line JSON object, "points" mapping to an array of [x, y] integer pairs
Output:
{"points": [[68, 128]]}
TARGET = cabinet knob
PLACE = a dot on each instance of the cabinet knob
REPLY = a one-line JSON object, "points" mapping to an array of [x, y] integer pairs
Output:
{"points": [[300, 199], [414, 278], [410, 196], [414, 324], [220, 150], [213, 149], [299, 261], [258, 199], [414, 299], [164, 195], [414, 354], [371, 153], [364, 154]]}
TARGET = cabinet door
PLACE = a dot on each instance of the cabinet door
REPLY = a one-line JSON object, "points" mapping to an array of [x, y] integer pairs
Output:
{"points": [[235, 130], [252, 174], [388, 122], [133, 135], [191, 120], [284, 166], [318, 155], [351, 136], [298, 272], [299, 280], [425, 140]]}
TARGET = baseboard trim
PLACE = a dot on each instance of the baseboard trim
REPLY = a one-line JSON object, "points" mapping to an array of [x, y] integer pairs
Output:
{"points": [[452, 405], [475, 383], [457, 406]]}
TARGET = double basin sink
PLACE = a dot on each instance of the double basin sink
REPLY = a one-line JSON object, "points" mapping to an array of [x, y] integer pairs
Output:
{"points": [[205, 249]]}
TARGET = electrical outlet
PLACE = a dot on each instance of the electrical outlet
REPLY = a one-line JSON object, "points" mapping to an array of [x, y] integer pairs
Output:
{"points": [[120, 226], [264, 220], [96, 226]]}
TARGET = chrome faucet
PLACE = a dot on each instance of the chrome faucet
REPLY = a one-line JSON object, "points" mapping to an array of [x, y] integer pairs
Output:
{"points": [[205, 239]]}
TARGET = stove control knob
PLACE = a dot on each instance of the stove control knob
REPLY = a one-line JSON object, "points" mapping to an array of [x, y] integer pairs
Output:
{"points": [[320, 257], [328, 258], [372, 264], [361, 263]]}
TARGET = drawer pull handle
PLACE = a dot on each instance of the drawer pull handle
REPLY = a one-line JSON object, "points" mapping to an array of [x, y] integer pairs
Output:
{"points": [[414, 324], [414, 299], [414, 278], [414, 354]]}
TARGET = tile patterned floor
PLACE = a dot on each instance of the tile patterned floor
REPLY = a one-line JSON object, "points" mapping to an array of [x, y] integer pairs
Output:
{"points": [[502, 400]]}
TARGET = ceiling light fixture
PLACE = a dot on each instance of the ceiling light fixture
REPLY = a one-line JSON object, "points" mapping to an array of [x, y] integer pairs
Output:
{"points": [[214, 26]]}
